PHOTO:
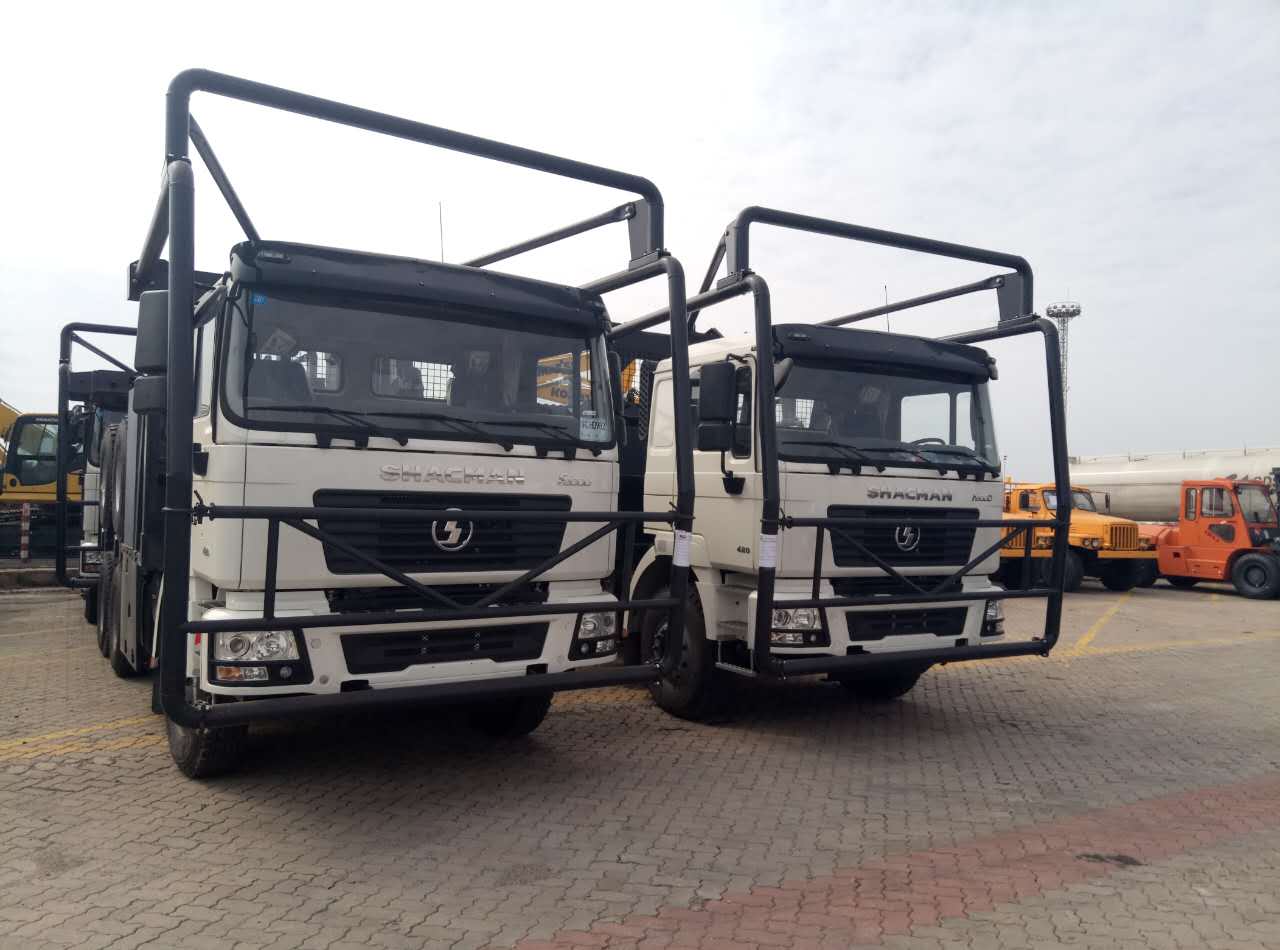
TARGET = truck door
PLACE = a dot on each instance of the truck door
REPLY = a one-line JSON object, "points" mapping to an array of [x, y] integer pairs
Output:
{"points": [[1216, 535]]}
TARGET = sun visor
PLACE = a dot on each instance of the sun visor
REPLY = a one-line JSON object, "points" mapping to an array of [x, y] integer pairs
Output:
{"points": [[808, 342], [309, 268]]}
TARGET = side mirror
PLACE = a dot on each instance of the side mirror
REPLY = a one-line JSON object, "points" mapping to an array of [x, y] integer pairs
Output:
{"points": [[715, 436], [717, 393], [151, 352], [149, 394]]}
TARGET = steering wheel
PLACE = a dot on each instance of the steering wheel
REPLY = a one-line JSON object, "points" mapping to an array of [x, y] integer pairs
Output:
{"points": [[929, 439]]}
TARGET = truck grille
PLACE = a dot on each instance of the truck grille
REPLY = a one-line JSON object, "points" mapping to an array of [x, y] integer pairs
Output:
{"points": [[941, 622], [1124, 537], [390, 652], [881, 584], [948, 542], [409, 546], [350, 600]]}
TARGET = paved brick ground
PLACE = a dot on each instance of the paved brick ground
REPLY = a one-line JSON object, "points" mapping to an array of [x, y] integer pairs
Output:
{"points": [[1121, 794]]}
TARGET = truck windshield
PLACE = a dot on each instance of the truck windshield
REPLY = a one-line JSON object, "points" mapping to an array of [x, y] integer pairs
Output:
{"points": [[1255, 505], [1080, 500], [297, 364], [823, 412]]}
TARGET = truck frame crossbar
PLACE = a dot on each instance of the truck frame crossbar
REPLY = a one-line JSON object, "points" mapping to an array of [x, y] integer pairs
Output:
{"points": [[173, 222], [67, 390]]}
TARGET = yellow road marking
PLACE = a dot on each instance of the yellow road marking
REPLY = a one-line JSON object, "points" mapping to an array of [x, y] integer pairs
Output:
{"points": [[1177, 644], [69, 748], [18, 743], [1083, 643]]}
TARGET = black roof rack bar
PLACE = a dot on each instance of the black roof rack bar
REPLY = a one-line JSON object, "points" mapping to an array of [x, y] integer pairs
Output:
{"points": [[220, 179], [178, 130], [621, 213], [990, 283], [705, 299], [738, 247]]}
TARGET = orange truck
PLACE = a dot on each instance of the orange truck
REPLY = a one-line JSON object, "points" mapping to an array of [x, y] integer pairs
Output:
{"points": [[1102, 546], [1226, 531]]}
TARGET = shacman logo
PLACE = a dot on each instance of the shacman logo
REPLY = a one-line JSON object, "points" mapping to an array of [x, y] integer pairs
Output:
{"points": [[906, 537], [909, 494], [456, 475], [452, 535]]}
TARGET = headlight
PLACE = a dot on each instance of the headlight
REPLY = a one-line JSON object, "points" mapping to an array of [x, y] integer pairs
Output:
{"points": [[796, 627], [1146, 544], [597, 635], [993, 619], [1044, 541], [255, 645]]}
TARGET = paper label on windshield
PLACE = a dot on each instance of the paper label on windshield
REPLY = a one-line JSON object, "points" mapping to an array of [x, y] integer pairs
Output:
{"points": [[680, 556], [768, 550], [593, 428], [278, 344]]}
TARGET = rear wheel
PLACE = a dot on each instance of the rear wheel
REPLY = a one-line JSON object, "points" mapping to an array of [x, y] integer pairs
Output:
{"points": [[1257, 576], [1183, 583], [1119, 575], [91, 605], [512, 718], [883, 685], [690, 690], [105, 604]]}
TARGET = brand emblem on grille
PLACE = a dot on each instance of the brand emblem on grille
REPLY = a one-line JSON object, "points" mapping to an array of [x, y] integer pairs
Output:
{"points": [[906, 537], [452, 535]]}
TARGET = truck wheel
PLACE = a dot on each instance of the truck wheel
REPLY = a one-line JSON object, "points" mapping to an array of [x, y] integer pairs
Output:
{"points": [[690, 692], [1257, 576], [110, 639], [1148, 574], [105, 605], [1183, 583], [511, 718], [1071, 579], [883, 685], [1119, 576], [91, 605], [204, 753]]}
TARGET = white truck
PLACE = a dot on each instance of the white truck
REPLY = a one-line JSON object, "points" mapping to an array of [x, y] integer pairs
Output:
{"points": [[341, 481], [848, 489]]}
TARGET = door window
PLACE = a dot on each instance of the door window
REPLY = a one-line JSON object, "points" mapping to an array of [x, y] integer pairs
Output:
{"points": [[1189, 508], [1216, 503]]}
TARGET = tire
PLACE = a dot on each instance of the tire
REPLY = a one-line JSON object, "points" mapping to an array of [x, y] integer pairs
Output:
{"points": [[883, 685], [511, 718], [1119, 575], [1074, 576], [205, 753], [1148, 574], [1256, 576], [692, 690], [1183, 583], [106, 486], [119, 459], [91, 606], [105, 605]]}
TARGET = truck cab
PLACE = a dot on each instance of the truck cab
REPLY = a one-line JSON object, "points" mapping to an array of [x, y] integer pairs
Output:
{"points": [[28, 475], [1108, 548], [1226, 531]]}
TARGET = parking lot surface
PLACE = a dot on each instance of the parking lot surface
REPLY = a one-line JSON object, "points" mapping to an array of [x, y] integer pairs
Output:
{"points": [[1122, 793]]}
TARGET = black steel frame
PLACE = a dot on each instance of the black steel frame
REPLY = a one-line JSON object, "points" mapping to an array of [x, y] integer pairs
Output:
{"points": [[71, 335], [739, 281], [173, 221]]}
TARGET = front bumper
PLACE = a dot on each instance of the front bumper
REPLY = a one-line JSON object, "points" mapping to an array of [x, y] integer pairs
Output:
{"points": [[328, 654], [889, 629]]}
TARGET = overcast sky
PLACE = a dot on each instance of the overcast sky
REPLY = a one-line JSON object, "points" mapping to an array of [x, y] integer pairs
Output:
{"points": [[1130, 152]]}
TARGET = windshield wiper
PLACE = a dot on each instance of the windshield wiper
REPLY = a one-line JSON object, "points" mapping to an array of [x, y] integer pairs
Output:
{"points": [[348, 416], [849, 451], [963, 452], [464, 425]]}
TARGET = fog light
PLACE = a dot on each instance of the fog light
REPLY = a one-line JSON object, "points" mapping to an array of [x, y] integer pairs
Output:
{"points": [[993, 619], [240, 673], [256, 645]]}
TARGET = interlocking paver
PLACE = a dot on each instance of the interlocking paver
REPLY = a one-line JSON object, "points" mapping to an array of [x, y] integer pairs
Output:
{"points": [[951, 819]]}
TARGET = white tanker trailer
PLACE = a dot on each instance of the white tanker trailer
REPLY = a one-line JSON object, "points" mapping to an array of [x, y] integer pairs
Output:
{"points": [[1146, 487]]}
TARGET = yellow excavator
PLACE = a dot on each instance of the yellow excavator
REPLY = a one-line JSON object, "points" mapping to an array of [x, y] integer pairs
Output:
{"points": [[28, 469]]}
